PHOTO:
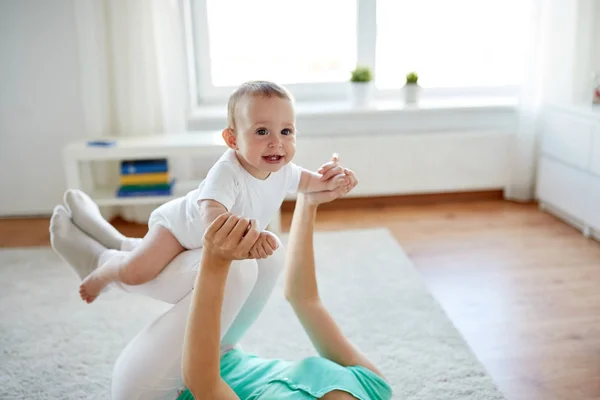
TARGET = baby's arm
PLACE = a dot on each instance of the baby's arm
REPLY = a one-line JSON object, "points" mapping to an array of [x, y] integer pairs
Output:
{"points": [[210, 210], [218, 192]]}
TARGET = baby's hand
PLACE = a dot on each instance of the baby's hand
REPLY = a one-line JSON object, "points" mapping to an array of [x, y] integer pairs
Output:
{"points": [[337, 176], [331, 169], [332, 173], [341, 181], [265, 245]]}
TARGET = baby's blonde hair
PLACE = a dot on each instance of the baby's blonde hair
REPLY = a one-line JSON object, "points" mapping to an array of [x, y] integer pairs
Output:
{"points": [[251, 89]]}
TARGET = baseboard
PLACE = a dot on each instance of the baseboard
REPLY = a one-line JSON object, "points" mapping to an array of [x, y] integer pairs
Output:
{"points": [[562, 215], [570, 220], [410, 199]]}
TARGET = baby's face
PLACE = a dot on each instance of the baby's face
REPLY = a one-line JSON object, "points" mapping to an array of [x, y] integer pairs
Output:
{"points": [[266, 134]]}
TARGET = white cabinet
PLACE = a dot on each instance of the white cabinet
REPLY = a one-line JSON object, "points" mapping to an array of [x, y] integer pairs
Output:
{"points": [[565, 188], [568, 180], [568, 139], [595, 156], [593, 206]]}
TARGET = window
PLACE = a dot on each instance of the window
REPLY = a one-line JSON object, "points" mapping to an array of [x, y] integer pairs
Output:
{"points": [[458, 43], [312, 45], [291, 43]]}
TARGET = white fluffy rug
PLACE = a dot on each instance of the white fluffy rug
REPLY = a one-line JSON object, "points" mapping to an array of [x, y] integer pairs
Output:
{"points": [[53, 346]]}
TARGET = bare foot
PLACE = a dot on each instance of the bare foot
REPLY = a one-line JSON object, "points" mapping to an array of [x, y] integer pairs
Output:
{"points": [[96, 281]]}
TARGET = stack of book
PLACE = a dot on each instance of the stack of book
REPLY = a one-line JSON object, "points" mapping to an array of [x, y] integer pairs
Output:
{"points": [[145, 178]]}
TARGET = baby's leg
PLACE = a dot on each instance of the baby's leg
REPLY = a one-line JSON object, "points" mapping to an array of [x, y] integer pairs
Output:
{"points": [[141, 265], [149, 368], [269, 270]]}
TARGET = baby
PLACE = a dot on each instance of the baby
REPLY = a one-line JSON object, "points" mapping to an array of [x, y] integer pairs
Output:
{"points": [[251, 179]]}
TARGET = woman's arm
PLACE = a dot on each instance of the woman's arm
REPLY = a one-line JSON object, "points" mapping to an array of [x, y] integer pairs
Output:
{"points": [[302, 293], [224, 241], [201, 346]]}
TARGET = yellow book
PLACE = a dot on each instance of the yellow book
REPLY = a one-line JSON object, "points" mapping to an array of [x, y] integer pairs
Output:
{"points": [[142, 179]]}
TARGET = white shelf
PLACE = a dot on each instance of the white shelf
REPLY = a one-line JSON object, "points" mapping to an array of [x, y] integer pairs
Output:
{"points": [[160, 146], [107, 197]]}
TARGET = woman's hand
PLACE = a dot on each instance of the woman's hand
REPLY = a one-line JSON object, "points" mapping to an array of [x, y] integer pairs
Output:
{"points": [[230, 237]]}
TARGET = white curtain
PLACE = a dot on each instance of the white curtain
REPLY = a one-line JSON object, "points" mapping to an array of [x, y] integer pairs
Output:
{"points": [[556, 59], [133, 68]]}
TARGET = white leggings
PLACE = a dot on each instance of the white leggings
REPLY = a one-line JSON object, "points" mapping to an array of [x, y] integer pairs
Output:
{"points": [[149, 368]]}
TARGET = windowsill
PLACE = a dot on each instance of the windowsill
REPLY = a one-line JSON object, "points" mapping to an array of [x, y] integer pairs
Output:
{"points": [[385, 116]]}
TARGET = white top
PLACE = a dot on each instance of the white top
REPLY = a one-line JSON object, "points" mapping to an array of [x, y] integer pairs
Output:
{"points": [[230, 184]]}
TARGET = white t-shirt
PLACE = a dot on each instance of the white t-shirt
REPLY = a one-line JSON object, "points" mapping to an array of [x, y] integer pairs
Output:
{"points": [[241, 193]]}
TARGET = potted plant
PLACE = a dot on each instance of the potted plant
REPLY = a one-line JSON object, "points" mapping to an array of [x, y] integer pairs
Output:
{"points": [[411, 88], [361, 86]]}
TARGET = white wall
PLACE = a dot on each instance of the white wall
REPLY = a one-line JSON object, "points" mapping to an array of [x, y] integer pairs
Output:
{"points": [[40, 102], [596, 39]]}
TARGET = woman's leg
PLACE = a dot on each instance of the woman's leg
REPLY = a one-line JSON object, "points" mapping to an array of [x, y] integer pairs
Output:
{"points": [[149, 368], [269, 270], [79, 250], [87, 217], [178, 278], [173, 283]]}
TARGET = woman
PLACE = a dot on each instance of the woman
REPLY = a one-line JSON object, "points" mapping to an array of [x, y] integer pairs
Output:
{"points": [[342, 371], [150, 367]]}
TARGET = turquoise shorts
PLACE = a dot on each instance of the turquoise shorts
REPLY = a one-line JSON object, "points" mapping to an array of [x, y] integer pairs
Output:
{"points": [[255, 378]]}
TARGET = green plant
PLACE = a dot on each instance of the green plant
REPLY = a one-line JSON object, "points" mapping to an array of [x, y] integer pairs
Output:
{"points": [[412, 78], [361, 74]]}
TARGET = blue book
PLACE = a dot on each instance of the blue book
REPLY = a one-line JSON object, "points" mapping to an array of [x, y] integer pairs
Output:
{"points": [[145, 193], [128, 191], [143, 166]]}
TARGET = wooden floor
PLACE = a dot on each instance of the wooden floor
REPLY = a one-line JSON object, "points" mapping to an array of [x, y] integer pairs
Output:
{"points": [[522, 287]]}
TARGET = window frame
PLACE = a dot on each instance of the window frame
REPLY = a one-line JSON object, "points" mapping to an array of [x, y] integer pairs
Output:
{"points": [[203, 92]]}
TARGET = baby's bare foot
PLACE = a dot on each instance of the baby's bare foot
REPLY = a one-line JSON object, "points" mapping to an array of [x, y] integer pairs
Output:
{"points": [[96, 281]]}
